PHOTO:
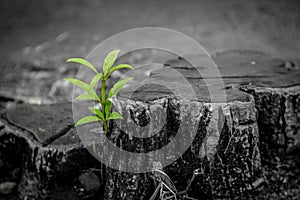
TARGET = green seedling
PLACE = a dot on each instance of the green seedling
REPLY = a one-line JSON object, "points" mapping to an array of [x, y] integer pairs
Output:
{"points": [[104, 114]]}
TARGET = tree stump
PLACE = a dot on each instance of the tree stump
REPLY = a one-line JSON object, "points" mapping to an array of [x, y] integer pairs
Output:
{"points": [[227, 141], [228, 155], [42, 153]]}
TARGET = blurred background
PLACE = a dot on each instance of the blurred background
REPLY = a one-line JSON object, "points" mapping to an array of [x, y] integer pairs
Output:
{"points": [[53, 30], [37, 36]]}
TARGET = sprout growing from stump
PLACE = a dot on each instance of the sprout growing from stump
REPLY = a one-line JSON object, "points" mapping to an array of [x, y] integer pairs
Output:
{"points": [[105, 113]]}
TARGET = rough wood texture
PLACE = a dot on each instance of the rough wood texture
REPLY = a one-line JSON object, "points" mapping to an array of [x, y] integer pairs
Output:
{"points": [[253, 72], [44, 161], [274, 84], [260, 115], [227, 154]]}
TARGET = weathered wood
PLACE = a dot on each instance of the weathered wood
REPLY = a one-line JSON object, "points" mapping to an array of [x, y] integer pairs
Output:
{"points": [[225, 147], [274, 84], [233, 166], [46, 123], [261, 110], [44, 161], [227, 155]]}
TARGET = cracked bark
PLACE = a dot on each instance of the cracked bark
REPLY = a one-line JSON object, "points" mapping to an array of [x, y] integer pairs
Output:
{"points": [[225, 147]]}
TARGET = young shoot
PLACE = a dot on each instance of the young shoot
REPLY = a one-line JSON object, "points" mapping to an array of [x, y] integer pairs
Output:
{"points": [[104, 114]]}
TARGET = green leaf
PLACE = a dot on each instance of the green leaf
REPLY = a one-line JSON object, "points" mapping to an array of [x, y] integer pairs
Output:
{"points": [[79, 83], [97, 112], [86, 87], [107, 108], [117, 87], [87, 97], [83, 62], [87, 119], [115, 115], [121, 66], [95, 80], [110, 60]]}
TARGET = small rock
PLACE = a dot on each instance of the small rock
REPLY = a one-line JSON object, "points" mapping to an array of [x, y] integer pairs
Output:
{"points": [[60, 87], [38, 62], [38, 75], [7, 187], [63, 69], [27, 50], [89, 181], [63, 36], [1, 125], [42, 47], [289, 65]]}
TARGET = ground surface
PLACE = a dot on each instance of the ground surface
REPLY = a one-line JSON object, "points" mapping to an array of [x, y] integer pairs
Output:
{"points": [[33, 31], [38, 37]]}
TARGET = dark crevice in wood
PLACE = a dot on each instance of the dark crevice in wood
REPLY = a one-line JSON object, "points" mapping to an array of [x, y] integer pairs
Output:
{"points": [[61, 133]]}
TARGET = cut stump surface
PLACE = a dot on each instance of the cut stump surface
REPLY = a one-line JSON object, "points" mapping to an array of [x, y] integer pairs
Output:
{"points": [[259, 118]]}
